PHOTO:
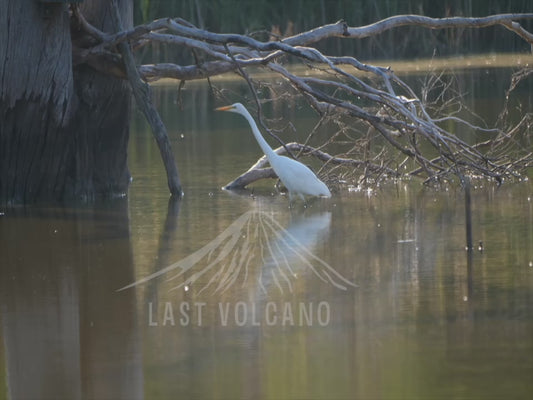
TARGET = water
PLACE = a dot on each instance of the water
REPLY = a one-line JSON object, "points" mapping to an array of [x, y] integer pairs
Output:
{"points": [[367, 295]]}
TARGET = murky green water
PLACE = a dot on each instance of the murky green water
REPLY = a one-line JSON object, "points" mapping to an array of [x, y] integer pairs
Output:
{"points": [[367, 295]]}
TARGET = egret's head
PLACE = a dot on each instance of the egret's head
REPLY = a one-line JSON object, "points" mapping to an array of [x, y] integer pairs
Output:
{"points": [[236, 108]]}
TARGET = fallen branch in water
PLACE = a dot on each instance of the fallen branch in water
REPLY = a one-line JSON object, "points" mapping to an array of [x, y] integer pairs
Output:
{"points": [[259, 171]]}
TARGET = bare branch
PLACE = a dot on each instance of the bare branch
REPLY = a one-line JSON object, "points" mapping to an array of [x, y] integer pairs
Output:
{"points": [[341, 29], [400, 124]]}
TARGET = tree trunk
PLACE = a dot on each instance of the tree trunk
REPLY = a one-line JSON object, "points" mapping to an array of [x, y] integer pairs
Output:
{"points": [[63, 132]]}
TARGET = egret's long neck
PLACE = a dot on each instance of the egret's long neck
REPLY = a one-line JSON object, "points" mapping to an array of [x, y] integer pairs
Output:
{"points": [[262, 142]]}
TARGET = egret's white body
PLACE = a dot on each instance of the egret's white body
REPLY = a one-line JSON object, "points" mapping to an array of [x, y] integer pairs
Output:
{"points": [[297, 178]]}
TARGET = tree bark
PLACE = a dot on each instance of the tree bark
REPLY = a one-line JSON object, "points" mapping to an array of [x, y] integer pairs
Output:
{"points": [[104, 111], [63, 131]]}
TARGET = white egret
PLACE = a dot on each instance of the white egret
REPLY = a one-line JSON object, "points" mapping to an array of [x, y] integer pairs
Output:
{"points": [[297, 178]]}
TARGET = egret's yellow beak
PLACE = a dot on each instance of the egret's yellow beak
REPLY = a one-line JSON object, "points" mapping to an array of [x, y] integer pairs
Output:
{"points": [[225, 108]]}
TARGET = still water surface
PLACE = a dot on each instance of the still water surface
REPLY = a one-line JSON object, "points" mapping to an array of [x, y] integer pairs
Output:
{"points": [[367, 295]]}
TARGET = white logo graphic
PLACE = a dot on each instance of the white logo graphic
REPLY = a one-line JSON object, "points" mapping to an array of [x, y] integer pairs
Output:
{"points": [[255, 238]]}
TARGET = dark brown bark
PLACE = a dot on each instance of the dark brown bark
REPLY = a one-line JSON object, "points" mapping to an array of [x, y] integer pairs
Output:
{"points": [[63, 132], [104, 114]]}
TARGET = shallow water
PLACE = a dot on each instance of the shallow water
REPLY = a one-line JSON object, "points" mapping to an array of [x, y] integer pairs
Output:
{"points": [[369, 294]]}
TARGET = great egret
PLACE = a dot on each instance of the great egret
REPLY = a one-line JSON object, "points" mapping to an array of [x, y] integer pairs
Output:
{"points": [[297, 178]]}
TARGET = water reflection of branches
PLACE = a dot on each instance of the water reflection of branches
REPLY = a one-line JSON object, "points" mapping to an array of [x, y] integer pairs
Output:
{"points": [[254, 250]]}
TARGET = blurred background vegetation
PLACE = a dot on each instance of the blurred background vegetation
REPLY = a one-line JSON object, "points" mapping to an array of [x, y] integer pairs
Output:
{"points": [[288, 17]]}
